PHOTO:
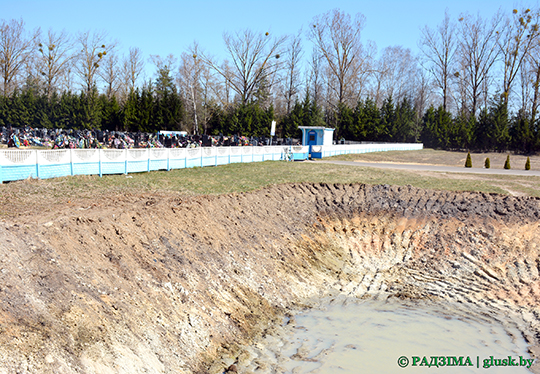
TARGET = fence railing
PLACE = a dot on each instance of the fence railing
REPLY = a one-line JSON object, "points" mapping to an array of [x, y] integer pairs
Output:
{"points": [[320, 151], [21, 164]]}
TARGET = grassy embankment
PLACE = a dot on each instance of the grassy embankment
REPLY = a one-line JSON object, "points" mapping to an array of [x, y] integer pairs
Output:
{"points": [[22, 197]]}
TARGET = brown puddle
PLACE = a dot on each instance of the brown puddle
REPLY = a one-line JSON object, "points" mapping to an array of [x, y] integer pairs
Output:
{"points": [[371, 336]]}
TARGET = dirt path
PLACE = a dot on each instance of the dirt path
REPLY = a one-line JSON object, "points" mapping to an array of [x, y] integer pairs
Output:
{"points": [[428, 156], [435, 168], [163, 284]]}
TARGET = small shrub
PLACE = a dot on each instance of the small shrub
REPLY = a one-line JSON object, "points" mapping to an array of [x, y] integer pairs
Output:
{"points": [[468, 162], [487, 163], [528, 164], [507, 163]]}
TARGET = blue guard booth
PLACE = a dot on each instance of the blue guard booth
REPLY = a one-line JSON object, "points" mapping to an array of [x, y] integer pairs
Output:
{"points": [[315, 136]]}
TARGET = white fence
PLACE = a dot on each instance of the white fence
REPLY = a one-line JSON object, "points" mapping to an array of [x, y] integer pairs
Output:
{"points": [[320, 151], [17, 164]]}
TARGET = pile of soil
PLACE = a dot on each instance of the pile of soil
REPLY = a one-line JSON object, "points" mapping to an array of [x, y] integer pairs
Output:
{"points": [[161, 284]]}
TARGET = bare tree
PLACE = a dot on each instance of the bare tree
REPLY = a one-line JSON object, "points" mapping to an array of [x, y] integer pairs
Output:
{"points": [[93, 50], [255, 61], [459, 91], [519, 36], [532, 78], [291, 85], [16, 47], [54, 59], [200, 88], [314, 85], [439, 48], [208, 86], [478, 51], [224, 90], [527, 76], [337, 37], [169, 62], [189, 75], [132, 68], [393, 74], [378, 75], [423, 88], [111, 72]]}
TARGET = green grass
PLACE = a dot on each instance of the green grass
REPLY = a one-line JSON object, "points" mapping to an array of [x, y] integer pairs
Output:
{"points": [[248, 177], [253, 176], [237, 178]]}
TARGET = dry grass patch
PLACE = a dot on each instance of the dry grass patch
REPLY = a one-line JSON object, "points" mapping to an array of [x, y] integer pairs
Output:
{"points": [[444, 158]]}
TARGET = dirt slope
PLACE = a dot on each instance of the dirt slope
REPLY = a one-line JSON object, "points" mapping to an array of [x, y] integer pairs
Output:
{"points": [[167, 285]]}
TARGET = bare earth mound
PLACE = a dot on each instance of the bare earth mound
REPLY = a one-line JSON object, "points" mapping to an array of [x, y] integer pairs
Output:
{"points": [[170, 285]]}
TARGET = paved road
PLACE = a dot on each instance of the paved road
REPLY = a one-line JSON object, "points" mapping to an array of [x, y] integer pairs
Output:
{"points": [[437, 168]]}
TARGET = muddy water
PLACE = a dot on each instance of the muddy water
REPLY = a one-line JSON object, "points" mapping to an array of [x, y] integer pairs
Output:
{"points": [[370, 336]]}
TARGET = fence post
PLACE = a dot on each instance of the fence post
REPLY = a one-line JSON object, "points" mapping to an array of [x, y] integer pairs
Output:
{"points": [[70, 160], [100, 151], [37, 164]]}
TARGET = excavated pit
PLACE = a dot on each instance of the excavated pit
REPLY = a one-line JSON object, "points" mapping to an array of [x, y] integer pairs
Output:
{"points": [[167, 285]]}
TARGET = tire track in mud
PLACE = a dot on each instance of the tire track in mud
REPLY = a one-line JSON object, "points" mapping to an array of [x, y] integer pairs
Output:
{"points": [[167, 285], [467, 254]]}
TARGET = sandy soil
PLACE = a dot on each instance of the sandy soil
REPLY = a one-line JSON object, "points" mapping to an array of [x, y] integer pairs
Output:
{"points": [[160, 284]]}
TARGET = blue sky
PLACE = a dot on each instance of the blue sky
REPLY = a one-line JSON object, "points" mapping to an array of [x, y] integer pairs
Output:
{"points": [[163, 27]]}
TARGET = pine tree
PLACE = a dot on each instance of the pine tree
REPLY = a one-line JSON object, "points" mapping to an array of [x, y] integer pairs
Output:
{"points": [[457, 133], [388, 120], [110, 113], [4, 110], [267, 118], [145, 110], [468, 162], [444, 124], [507, 163], [404, 122], [429, 134], [129, 116], [359, 122], [216, 120], [345, 124], [499, 118], [483, 141], [90, 110], [528, 164], [521, 133], [487, 163], [290, 123], [372, 121]]}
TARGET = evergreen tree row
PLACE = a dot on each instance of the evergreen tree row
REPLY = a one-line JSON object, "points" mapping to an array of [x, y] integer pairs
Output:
{"points": [[151, 110], [145, 111], [493, 130]]}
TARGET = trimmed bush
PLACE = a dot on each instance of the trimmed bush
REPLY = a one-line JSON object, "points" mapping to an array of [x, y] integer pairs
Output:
{"points": [[487, 163], [468, 162], [507, 163], [528, 164]]}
